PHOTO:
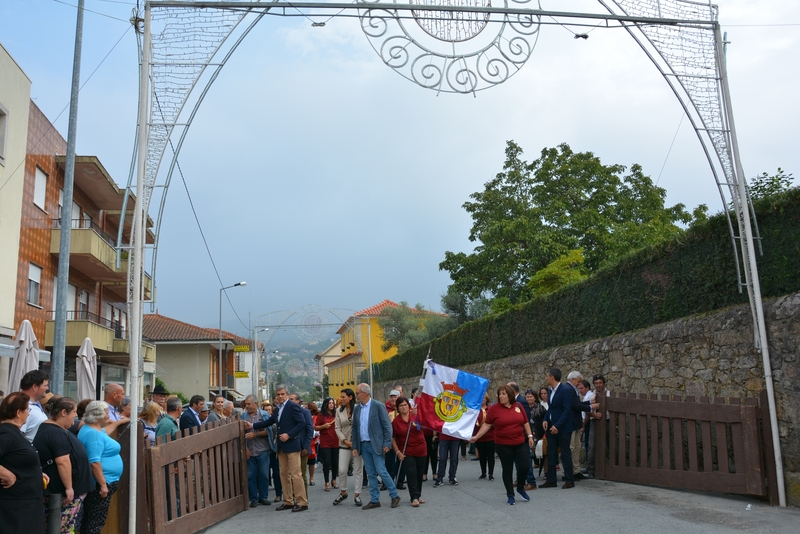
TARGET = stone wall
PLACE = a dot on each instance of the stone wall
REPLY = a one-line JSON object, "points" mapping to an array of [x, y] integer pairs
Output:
{"points": [[705, 355]]}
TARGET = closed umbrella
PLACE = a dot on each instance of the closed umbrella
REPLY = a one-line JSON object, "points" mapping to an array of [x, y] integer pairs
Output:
{"points": [[26, 355], [86, 369]]}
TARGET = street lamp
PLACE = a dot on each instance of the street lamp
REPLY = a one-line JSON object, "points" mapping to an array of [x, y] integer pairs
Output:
{"points": [[269, 392], [220, 330]]}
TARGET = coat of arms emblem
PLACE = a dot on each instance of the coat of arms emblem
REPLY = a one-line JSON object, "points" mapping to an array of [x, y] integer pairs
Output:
{"points": [[449, 404]]}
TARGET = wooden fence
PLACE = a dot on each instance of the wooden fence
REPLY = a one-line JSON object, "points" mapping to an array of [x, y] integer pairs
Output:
{"points": [[688, 444]]}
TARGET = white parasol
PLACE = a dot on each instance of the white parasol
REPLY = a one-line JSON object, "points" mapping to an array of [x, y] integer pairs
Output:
{"points": [[26, 355], [86, 370]]}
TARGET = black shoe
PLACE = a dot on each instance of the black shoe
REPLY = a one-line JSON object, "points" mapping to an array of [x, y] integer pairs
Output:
{"points": [[401, 487], [482, 476], [579, 476], [278, 498], [549, 485], [253, 504], [349, 473], [357, 501], [265, 502], [491, 477], [340, 499], [370, 505], [589, 475], [436, 484], [454, 482], [299, 508], [284, 506]]}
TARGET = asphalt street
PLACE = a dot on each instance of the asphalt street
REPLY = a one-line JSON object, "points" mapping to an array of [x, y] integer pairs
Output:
{"points": [[474, 505]]}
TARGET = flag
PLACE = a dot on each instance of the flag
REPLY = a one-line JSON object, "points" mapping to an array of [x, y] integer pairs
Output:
{"points": [[451, 400]]}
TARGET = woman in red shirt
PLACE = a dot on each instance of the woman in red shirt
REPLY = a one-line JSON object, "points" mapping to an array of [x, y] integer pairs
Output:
{"points": [[510, 423], [328, 442], [409, 445], [485, 445]]}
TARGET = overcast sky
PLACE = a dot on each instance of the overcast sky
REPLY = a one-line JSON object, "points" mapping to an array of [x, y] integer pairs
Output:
{"points": [[320, 176]]}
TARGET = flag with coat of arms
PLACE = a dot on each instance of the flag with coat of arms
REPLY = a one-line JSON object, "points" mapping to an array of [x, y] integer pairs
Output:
{"points": [[451, 400]]}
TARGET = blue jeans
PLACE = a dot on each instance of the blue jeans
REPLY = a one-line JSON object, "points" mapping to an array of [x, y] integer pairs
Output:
{"points": [[274, 467], [375, 467], [448, 448], [258, 476]]}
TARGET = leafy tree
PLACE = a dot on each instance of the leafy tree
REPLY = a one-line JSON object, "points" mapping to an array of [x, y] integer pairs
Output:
{"points": [[461, 308], [405, 327], [563, 271], [533, 213], [765, 185]]}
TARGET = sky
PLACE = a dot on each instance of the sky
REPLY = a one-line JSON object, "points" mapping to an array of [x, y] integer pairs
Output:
{"points": [[320, 176]]}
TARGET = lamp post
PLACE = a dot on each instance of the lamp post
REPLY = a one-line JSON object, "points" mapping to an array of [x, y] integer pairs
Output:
{"points": [[220, 330], [269, 392]]}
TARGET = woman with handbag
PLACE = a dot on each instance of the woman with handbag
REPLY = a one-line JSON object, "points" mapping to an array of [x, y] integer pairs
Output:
{"points": [[408, 443]]}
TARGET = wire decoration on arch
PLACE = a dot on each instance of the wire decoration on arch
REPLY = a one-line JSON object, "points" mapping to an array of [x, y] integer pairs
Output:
{"points": [[453, 51]]}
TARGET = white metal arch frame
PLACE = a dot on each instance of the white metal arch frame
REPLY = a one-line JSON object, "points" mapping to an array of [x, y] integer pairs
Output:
{"points": [[187, 42]]}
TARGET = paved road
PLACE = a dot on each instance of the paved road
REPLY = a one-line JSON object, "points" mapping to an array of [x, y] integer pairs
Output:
{"points": [[479, 506]]}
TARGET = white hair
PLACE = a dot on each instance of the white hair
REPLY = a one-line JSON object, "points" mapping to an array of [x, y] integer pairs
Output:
{"points": [[574, 374], [95, 412]]}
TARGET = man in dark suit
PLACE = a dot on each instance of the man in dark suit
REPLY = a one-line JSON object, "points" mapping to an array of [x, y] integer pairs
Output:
{"points": [[559, 425], [372, 438], [291, 430], [190, 418]]}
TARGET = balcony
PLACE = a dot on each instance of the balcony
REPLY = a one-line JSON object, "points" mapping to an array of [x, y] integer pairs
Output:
{"points": [[123, 346], [91, 251], [80, 325]]}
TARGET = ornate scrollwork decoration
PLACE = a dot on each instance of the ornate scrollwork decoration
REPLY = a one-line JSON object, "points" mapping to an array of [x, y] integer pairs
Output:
{"points": [[452, 52]]}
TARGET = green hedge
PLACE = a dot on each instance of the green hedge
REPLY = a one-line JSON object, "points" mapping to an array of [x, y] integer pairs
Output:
{"points": [[692, 274]]}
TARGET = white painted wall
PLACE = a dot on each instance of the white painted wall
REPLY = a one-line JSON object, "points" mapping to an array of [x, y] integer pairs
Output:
{"points": [[15, 97]]}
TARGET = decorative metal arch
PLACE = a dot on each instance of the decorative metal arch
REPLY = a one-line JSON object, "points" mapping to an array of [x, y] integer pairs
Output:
{"points": [[187, 42]]}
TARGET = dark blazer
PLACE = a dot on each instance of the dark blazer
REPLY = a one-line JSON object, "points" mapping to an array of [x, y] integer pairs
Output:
{"points": [[524, 402], [188, 420], [578, 406], [380, 428], [308, 435], [559, 413], [292, 422]]}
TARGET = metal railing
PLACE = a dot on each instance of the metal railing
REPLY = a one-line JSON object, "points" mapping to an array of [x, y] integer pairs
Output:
{"points": [[78, 315], [87, 224]]}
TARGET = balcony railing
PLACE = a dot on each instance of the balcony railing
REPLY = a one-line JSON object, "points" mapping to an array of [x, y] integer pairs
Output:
{"points": [[119, 331], [90, 224]]}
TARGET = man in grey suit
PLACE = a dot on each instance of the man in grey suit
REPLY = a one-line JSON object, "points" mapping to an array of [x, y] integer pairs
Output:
{"points": [[372, 438]]}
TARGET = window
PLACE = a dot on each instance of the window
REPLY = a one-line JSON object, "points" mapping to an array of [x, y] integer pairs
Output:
{"points": [[60, 203], [34, 284], [83, 305], [76, 216], [3, 133], [39, 188]]}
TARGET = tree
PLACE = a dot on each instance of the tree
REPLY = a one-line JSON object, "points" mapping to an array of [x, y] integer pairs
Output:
{"points": [[461, 308], [765, 185], [530, 214], [565, 270], [405, 327]]}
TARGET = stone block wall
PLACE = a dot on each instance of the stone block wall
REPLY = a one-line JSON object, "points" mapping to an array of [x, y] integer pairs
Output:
{"points": [[709, 355]]}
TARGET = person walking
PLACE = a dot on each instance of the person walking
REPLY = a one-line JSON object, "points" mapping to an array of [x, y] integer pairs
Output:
{"points": [[448, 447], [485, 444], [409, 446], [328, 442], [343, 426], [372, 438], [510, 423]]}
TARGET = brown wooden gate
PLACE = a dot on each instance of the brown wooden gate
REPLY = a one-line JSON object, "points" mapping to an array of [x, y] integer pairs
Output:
{"points": [[665, 441], [197, 480]]}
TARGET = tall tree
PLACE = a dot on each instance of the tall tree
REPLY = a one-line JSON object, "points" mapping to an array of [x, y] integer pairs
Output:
{"points": [[530, 214], [405, 327]]}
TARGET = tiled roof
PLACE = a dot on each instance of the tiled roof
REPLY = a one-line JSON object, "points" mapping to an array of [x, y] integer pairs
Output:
{"points": [[376, 309], [157, 327]]}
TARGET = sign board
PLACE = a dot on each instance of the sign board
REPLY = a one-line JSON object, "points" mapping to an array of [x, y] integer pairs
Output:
{"points": [[241, 374], [241, 348]]}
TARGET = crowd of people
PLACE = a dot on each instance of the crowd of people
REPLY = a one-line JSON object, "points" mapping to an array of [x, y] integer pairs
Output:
{"points": [[58, 459]]}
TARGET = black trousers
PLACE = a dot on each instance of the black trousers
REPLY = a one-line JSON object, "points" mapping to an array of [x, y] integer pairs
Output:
{"points": [[554, 441], [509, 455], [414, 467], [330, 463], [433, 454], [486, 455]]}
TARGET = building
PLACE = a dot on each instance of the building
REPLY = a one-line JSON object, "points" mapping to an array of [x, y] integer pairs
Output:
{"points": [[97, 284], [15, 98], [327, 356], [361, 340], [189, 358]]}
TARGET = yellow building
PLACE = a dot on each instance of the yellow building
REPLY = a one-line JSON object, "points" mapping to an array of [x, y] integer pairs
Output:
{"points": [[361, 340]]}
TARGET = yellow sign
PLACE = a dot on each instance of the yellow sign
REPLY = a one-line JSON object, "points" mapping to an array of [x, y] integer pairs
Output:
{"points": [[241, 348], [241, 374]]}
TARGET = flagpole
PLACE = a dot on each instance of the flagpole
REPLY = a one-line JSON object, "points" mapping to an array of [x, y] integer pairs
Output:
{"points": [[421, 385]]}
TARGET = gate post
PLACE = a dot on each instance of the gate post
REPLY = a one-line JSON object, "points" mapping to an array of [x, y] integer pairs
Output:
{"points": [[600, 440]]}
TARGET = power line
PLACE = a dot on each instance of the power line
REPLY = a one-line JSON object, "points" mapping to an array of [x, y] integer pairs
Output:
{"points": [[670, 149], [91, 11], [36, 144]]}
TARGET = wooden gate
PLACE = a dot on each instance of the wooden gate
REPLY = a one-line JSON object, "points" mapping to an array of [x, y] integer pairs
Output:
{"points": [[656, 440], [197, 480]]}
